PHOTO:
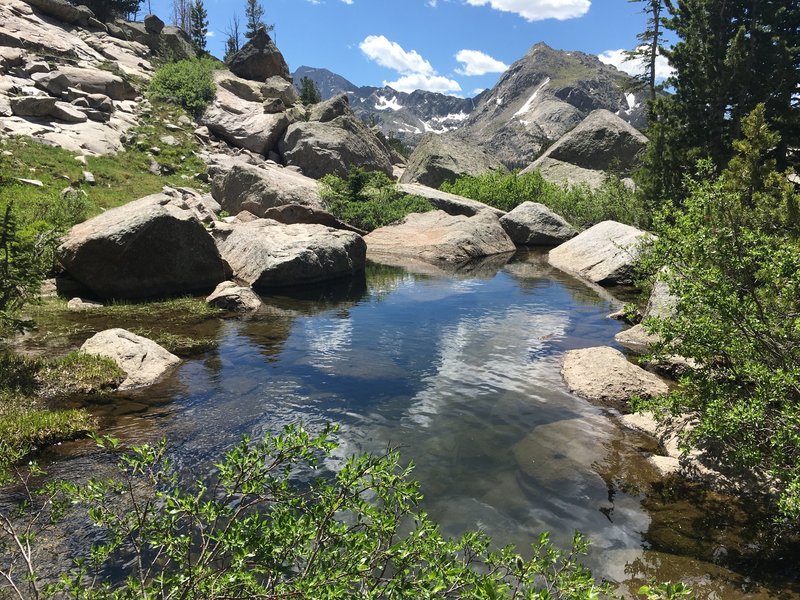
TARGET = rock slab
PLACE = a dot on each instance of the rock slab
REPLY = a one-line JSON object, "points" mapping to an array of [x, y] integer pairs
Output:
{"points": [[605, 253], [266, 254], [604, 375], [143, 361]]}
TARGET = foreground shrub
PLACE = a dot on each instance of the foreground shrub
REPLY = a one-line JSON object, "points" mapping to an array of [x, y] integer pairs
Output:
{"points": [[187, 83], [579, 205], [733, 254], [267, 527], [368, 200]]}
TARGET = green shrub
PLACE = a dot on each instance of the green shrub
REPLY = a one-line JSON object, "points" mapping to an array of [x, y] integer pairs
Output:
{"points": [[187, 83], [733, 253], [270, 525], [368, 200], [579, 205]]}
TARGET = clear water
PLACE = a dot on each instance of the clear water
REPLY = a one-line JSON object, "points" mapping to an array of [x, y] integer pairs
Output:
{"points": [[461, 372]]}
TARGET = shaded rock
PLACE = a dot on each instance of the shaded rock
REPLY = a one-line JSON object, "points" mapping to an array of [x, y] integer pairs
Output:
{"points": [[172, 40], [604, 375], [86, 79], [259, 59], [154, 246], [436, 236], [32, 106], [230, 296], [153, 24], [440, 158], [63, 11], [605, 253], [338, 106], [265, 253], [67, 113], [242, 123], [661, 304], [279, 88], [533, 224], [601, 141], [636, 339], [289, 214], [143, 361], [452, 204], [257, 189], [334, 147]]}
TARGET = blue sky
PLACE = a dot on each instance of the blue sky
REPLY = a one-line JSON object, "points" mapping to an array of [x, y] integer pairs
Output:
{"points": [[453, 46]]}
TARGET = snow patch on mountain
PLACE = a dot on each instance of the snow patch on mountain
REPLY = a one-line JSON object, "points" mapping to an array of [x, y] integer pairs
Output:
{"points": [[527, 106], [383, 103]]}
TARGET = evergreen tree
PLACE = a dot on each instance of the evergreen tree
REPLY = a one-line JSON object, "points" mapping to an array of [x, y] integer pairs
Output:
{"points": [[105, 10], [309, 92], [254, 14], [199, 26], [650, 48], [725, 51]]}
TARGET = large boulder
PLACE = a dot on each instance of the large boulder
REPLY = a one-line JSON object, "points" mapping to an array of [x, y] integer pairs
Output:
{"points": [[266, 254], [604, 375], [152, 247], [170, 40], [452, 204], [439, 158], [143, 361], [437, 236], [334, 147], [533, 224], [259, 59], [258, 189], [561, 173], [605, 253], [88, 80], [601, 141], [63, 11], [152, 24], [243, 123], [32, 106]]}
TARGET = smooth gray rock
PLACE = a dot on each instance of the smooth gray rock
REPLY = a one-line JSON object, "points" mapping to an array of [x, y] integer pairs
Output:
{"points": [[452, 204], [143, 361], [63, 11], [338, 106], [290, 214], [279, 88], [533, 224], [437, 236], [257, 189], [605, 253], [565, 174], [80, 305], [440, 158], [232, 297], [334, 147], [88, 80], [259, 59], [600, 142], [604, 375], [266, 254], [152, 247], [67, 113], [153, 24], [32, 106]]}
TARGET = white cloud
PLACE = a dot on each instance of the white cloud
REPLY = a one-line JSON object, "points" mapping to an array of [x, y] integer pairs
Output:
{"points": [[618, 59], [432, 3], [416, 72], [477, 91], [390, 54], [538, 10], [210, 34], [476, 62], [347, 1], [419, 81]]}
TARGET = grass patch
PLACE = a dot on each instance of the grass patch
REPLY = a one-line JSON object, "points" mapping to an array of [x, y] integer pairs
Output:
{"points": [[23, 428], [181, 345], [176, 311], [80, 372]]}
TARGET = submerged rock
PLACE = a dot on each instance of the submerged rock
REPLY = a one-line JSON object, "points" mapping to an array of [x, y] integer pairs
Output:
{"points": [[232, 297], [143, 361]]}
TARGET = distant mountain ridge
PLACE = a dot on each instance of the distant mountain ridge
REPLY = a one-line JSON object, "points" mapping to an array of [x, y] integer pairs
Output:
{"points": [[536, 100], [404, 116]]}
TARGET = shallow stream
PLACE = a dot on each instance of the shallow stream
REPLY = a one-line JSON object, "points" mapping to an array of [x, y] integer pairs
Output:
{"points": [[461, 372]]}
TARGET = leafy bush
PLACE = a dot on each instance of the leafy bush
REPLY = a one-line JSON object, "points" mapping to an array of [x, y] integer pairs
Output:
{"points": [[579, 205], [368, 200], [733, 254], [187, 83], [267, 527]]}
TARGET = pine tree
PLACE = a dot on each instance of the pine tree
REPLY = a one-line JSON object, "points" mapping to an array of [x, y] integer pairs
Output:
{"points": [[254, 14], [309, 92], [199, 26], [106, 10], [650, 48]]}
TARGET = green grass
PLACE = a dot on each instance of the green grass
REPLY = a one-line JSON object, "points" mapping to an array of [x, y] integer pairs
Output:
{"points": [[23, 428], [119, 179]]}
